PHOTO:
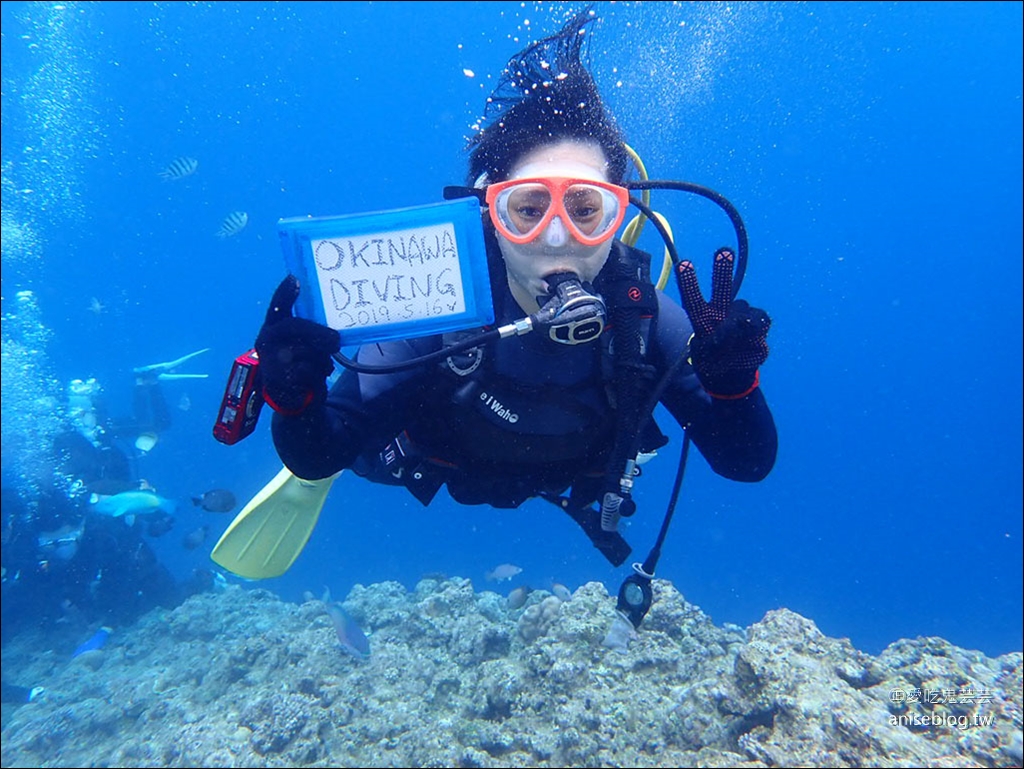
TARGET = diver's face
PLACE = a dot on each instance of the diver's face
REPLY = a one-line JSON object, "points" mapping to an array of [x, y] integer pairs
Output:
{"points": [[555, 249]]}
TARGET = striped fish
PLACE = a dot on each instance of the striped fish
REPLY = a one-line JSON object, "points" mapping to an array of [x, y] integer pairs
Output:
{"points": [[233, 224], [180, 168]]}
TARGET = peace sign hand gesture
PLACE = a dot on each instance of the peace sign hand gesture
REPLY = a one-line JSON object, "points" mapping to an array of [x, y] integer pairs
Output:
{"points": [[729, 337]]}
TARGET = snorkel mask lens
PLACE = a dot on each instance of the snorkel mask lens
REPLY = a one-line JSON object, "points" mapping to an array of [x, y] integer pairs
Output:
{"points": [[592, 211]]}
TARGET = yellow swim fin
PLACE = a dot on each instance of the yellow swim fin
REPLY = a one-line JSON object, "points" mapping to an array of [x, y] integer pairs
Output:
{"points": [[267, 536]]}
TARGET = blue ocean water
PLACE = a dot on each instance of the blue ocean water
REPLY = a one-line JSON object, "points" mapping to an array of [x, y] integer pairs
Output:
{"points": [[874, 150]]}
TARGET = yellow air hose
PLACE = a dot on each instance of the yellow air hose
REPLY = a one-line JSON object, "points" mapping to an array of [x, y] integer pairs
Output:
{"points": [[631, 233]]}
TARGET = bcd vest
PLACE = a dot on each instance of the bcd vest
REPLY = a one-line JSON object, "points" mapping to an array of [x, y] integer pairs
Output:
{"points": [[504, 424]]}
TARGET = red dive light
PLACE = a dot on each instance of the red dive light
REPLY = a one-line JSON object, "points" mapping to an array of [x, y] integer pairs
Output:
{"points": [[242, 402]]}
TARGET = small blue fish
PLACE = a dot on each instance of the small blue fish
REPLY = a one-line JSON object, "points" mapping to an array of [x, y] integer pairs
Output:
{"points": [[351, 636], [233, 224], [98, 641], [179, 169]]}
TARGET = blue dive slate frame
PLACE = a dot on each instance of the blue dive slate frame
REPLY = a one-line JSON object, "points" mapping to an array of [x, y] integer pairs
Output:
{"points": [[394, 274]]}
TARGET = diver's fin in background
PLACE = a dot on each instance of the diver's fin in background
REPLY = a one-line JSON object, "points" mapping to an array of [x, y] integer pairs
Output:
{"points": [[267, 536], [165, 377], [172, 364]]}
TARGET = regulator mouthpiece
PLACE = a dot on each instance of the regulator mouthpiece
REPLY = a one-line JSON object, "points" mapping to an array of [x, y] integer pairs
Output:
{"points": [[570, 312]]}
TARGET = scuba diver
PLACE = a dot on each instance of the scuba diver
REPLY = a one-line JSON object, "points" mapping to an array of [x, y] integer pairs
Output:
{"points": [[61, 550], [94, 449], [563, 414]]}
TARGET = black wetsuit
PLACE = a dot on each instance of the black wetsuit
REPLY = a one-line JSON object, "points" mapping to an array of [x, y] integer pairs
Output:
{"points": [[535, 417]]}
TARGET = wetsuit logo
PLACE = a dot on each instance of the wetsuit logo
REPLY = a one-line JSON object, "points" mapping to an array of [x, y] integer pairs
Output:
{"points": [[496, 406]]}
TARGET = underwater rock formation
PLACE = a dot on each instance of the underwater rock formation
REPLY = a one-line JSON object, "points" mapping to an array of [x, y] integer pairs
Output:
{"points": [[457, 678]]}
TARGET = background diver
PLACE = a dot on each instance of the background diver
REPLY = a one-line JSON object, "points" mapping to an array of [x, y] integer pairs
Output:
{"points": [[548, 163], [93, 446], [61, 553]]}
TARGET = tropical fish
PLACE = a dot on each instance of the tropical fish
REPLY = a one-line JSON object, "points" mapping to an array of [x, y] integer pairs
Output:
{"points": [[518, 597], [207, 581], [560, 591], [160, 525], [352, 638], [133, 503], [97, 641], [215, 501], [233, 224], [179, 169], [619, 634], [195, 538], [502, 572]]}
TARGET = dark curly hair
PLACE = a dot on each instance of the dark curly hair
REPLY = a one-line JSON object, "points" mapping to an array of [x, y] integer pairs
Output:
{"points": [[545, 95]]}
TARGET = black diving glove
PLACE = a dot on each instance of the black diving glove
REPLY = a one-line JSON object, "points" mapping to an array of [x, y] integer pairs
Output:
{"points": [[295, 354], [729, 337]]}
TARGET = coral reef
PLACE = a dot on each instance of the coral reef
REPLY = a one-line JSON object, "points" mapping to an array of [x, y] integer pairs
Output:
{"points": [[458, 678]]}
